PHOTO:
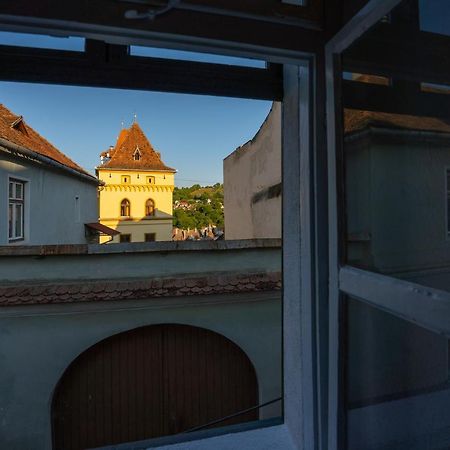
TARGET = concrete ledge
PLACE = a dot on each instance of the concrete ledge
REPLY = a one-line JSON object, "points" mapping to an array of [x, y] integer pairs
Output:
{"points": [[137, 247], [184, 438]]}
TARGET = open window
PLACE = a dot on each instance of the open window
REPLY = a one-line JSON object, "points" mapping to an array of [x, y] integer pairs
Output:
{"points": [[228, 273], [390, 266]]}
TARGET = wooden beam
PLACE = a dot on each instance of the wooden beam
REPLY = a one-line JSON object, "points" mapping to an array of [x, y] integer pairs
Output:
{"points": [[373, 97], [110, 66], [400, 52], [105, 19]]}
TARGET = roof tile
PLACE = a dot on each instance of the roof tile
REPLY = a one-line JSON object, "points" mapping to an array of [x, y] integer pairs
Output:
{"points": [[25, 136], [137, 289], [122, 156]]}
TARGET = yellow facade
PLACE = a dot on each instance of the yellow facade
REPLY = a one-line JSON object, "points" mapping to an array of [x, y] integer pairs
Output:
{"points": [[137, 187]]}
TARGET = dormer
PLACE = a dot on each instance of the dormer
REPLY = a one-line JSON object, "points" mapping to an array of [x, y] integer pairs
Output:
{"points": [[19, 125], [137, 154]]}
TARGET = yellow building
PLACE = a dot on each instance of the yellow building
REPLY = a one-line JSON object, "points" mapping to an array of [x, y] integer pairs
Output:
{"points": [[136, 199]]}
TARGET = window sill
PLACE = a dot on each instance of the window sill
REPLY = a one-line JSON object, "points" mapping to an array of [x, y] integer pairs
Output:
{"points": [[262, 435], [14, 240], [273, 438]]}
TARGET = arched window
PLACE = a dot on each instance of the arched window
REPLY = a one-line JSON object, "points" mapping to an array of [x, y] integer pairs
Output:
{"points": [[149, 207], [125, 207]]}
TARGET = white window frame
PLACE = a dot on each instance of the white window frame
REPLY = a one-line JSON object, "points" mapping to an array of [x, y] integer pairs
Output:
{"points": [[447, 200], [14, 201], [424, 306]]}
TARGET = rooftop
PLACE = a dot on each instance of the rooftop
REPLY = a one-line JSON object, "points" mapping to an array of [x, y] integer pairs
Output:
{"points": [[152, 287], [15, 130], [130, 142], [92, 272], [356, 120]]}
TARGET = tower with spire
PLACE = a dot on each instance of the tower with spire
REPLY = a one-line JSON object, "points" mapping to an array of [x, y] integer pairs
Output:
{"points": [[136, 198]]}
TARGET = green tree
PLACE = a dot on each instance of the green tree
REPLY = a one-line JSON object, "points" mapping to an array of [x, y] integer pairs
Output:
{"points": [[206, 206]]}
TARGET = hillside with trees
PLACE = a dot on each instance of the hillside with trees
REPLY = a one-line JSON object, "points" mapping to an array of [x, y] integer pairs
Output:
{"points": [[198, 207]]}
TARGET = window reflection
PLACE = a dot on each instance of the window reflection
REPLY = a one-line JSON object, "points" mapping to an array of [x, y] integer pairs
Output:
{"points": [[396, 210], [397, 153]]}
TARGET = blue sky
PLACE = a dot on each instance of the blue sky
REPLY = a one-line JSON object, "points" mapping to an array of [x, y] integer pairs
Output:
{"points": [[193, 133]]}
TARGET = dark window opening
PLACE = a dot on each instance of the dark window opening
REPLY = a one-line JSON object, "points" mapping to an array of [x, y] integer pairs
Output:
{"points": [[125, 208], [125, 238], [149, 207]]}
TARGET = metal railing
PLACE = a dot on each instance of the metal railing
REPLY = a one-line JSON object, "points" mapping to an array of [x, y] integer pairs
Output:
{"points": [[231, 416]]}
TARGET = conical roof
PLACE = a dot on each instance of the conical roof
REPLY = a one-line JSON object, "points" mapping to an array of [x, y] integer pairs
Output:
{"points": [[130, 142]]}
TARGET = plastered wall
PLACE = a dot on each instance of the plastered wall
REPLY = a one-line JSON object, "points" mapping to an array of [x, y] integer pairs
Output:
{"points": [[56, 205]]}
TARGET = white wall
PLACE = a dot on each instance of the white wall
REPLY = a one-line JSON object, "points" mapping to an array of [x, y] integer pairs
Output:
{"points": [[251, 209], [37, 343], [51, 214]]}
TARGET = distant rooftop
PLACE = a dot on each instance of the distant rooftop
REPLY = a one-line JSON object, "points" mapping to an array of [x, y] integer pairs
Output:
{"points": [[133, 151], [15, 130], [356, 120]]}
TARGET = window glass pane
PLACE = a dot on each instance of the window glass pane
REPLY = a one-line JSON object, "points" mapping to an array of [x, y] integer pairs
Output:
{"points": [[18, 220], [10, 220], [397, 382], [396, 156], [434, 16], [19, 190], [40, 41], [11, 190], [164, 53], [448, 201]]}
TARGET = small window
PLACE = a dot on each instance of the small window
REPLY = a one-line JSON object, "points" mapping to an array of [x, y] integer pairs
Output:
{"points": [[150, 180], [16, 198], [150, 237], [149, 207], [125, 208], [137, 154], [125, 238], [126, 179]]}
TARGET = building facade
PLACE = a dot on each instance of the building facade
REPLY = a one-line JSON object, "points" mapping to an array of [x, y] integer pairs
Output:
{"points": [[252, 183], [45, 197], [173, 313], [136, 198]]}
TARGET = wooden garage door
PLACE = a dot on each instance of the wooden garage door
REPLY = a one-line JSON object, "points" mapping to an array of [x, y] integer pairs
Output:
{"points": [[149, 382]]}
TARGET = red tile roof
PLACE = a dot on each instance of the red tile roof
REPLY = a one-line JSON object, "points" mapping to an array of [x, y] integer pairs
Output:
{"points": [[15, 130], [122, 156], [356, 120], [110, 290]]}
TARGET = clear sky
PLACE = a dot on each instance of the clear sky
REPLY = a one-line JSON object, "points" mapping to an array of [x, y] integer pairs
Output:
{"points": [[193, 133]]}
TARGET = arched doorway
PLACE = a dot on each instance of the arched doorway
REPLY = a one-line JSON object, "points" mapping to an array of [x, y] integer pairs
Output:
{"points": [[149, 382]]}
